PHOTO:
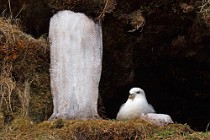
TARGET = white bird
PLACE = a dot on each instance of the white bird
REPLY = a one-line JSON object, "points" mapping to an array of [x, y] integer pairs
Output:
{"points": [[135, 106]]}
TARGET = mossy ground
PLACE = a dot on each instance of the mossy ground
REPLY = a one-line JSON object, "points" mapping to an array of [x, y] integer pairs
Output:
{"points": [[24, 128]]}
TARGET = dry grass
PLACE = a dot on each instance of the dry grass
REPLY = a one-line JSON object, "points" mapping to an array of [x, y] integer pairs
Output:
{"points": [[24, 74], [7, 86], [24, 97], [205, 12], [24, 128]]}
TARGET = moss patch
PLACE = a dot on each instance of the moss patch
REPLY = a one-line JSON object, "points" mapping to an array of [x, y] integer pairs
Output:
{"points": [[96, 129]]}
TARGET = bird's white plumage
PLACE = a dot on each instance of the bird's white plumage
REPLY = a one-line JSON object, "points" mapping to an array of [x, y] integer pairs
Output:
{"points": [[158, 119], [135, 106], [138, 107]]}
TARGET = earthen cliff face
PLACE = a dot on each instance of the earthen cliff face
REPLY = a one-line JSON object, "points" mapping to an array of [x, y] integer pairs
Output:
{"points": [[164, 50]]}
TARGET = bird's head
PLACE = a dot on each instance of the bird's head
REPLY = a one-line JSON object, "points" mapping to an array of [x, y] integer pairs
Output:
{"points": [[136, 92]]}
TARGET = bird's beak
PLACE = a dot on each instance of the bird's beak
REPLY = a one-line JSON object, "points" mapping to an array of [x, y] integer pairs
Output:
{"points": [[131, 96]]}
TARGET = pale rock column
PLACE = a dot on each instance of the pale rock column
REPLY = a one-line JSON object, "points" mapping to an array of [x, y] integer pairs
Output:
{"points": [[76, 63]]}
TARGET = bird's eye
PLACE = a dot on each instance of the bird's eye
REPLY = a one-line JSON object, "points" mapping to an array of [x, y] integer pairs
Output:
{"points": [[138, 92]]}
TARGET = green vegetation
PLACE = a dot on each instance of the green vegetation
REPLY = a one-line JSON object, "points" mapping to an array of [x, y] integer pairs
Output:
{"points": [[24, 128]]}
